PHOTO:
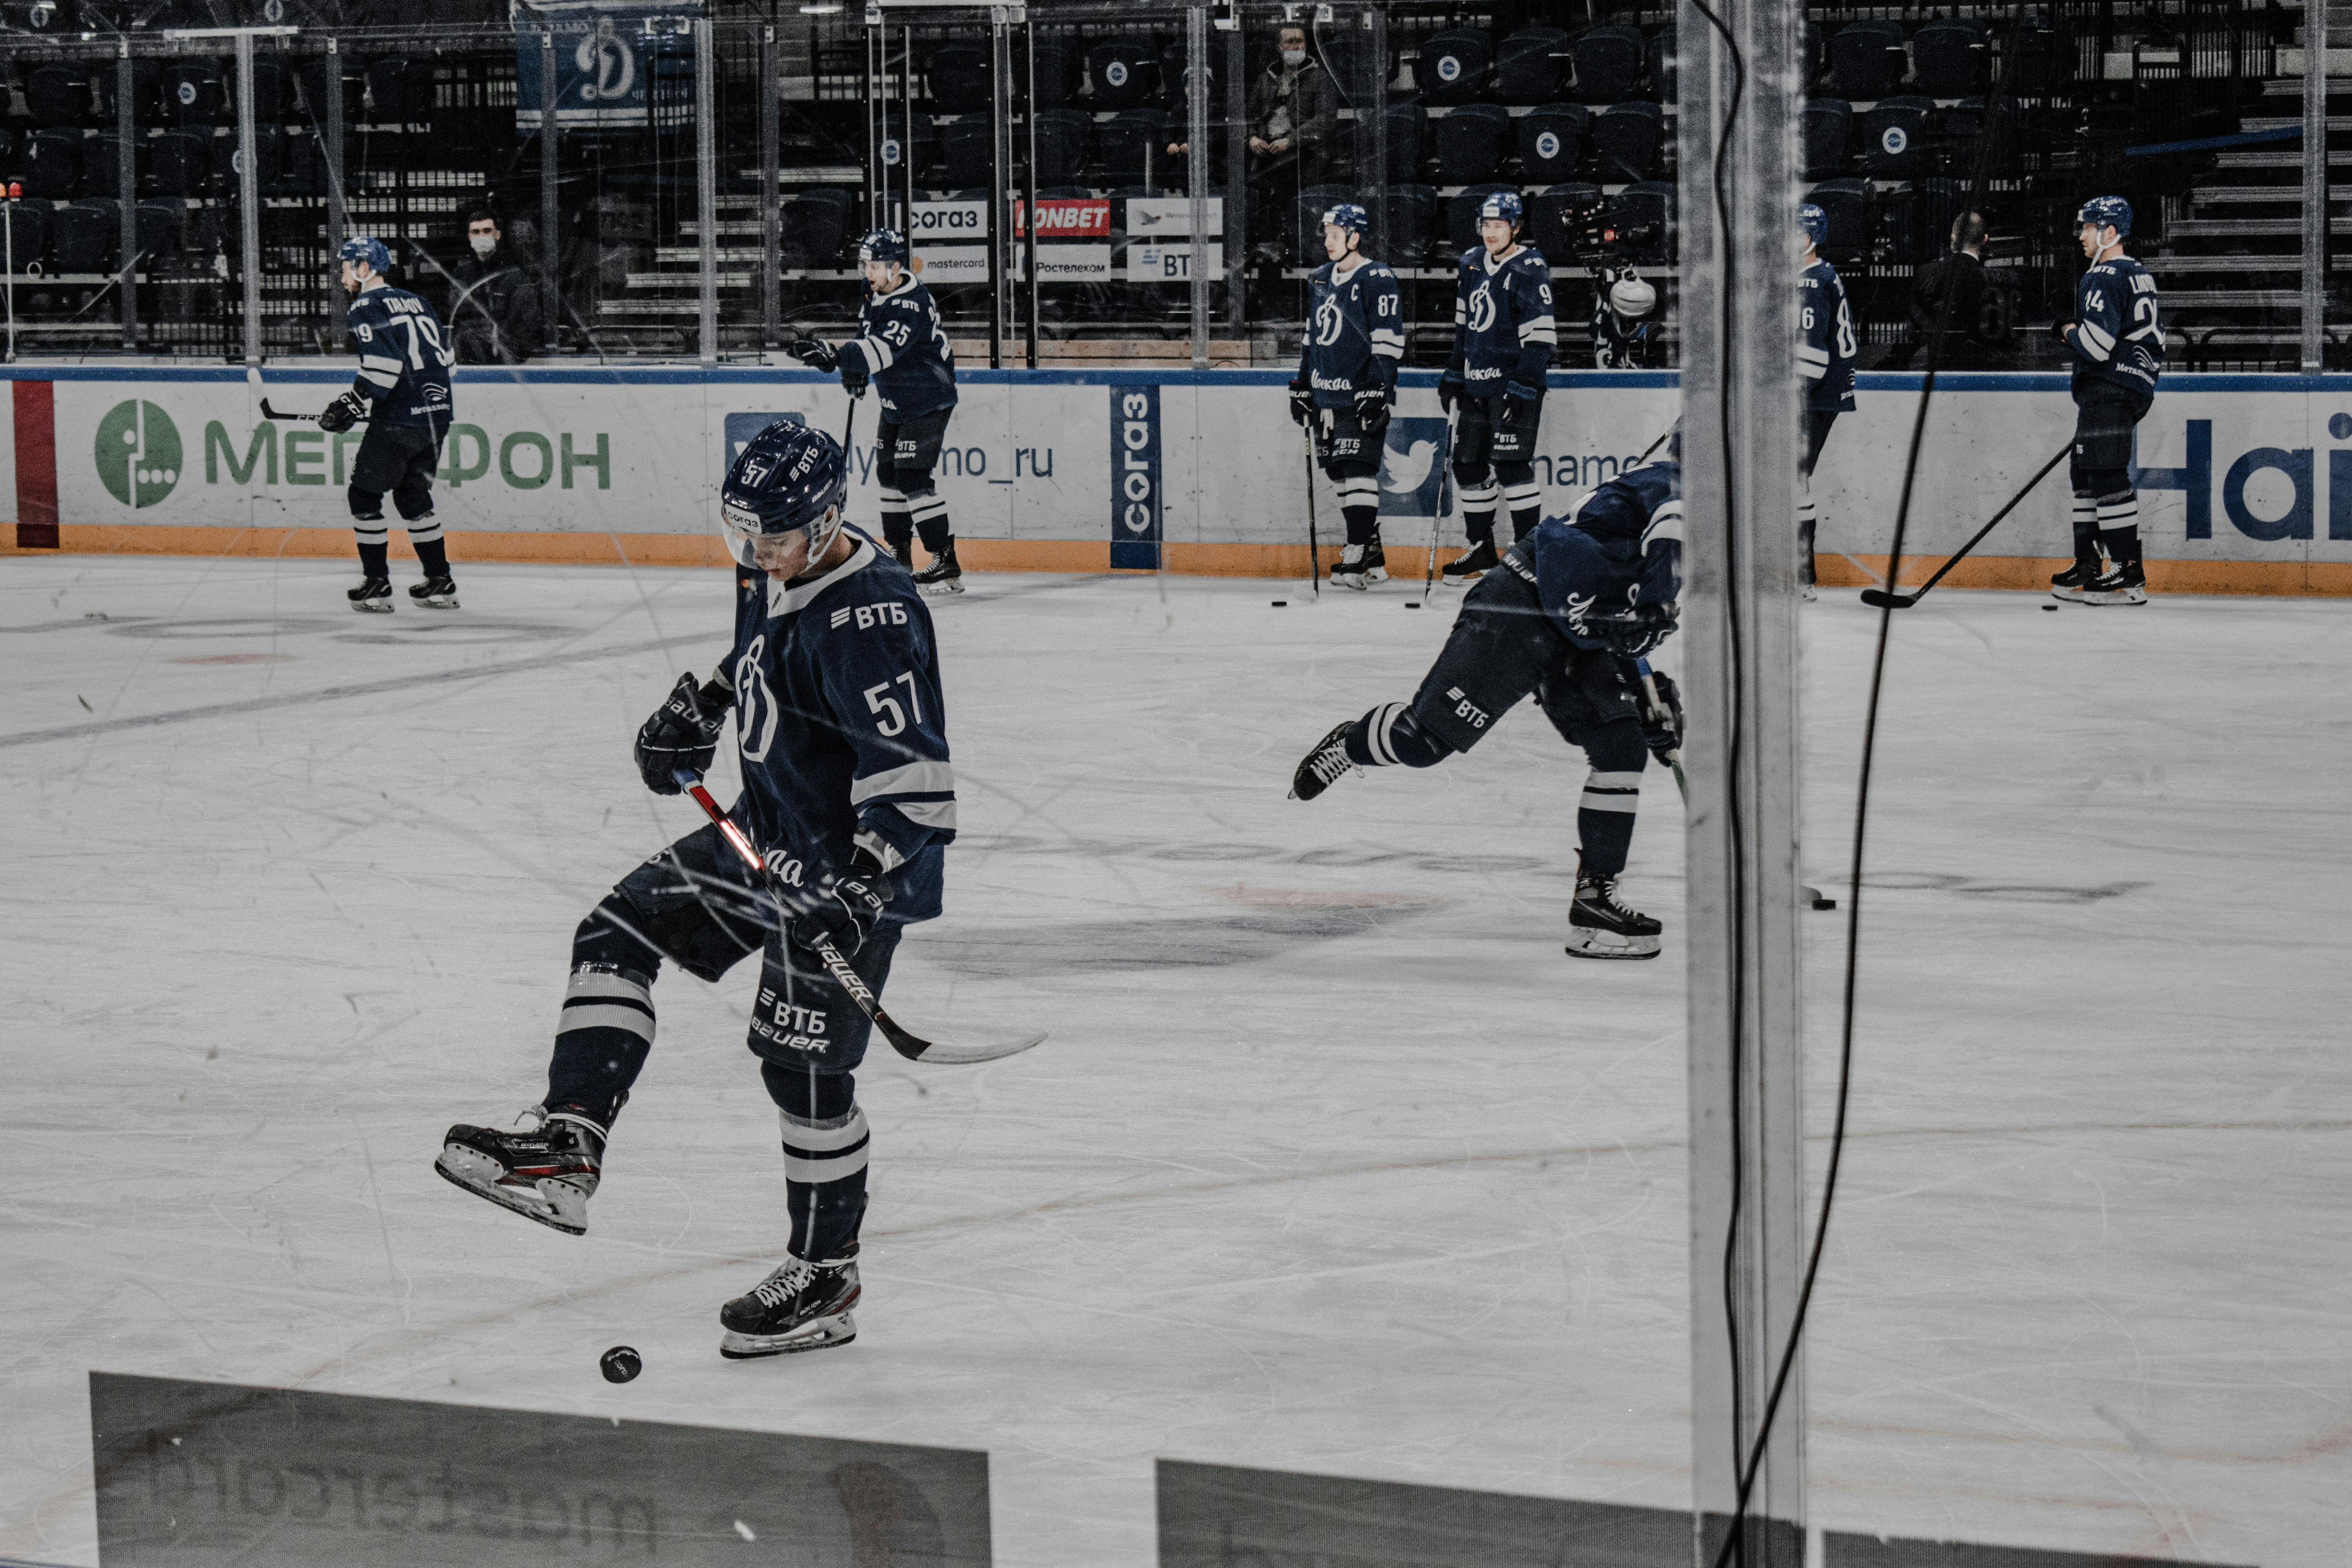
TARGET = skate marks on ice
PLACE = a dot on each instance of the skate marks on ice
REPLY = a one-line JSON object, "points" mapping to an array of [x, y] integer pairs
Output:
{"points": [[1183, 942]]}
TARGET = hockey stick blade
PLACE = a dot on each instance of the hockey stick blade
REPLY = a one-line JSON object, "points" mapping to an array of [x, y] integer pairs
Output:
{"points": [[269, 413], [1880, 599], [906, 1042]]}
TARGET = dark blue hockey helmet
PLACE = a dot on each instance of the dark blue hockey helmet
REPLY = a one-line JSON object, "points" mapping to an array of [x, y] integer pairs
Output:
{"points": [[1504, 204], [1814, 222], [883, 245], [788, 476], [1349, 216], [368, 249], [2106, 210]]}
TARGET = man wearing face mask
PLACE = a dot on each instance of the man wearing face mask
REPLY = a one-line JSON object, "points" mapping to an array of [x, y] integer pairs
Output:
{"points": [[1292, 109], [494, 301]]}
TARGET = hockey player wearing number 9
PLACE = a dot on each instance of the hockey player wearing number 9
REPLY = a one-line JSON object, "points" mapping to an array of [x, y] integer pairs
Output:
{"points": [[1564, 617], [402, 393], [1503, 336], [848, 794], [1347, 381]]}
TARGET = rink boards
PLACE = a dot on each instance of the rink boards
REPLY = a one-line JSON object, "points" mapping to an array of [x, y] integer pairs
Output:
{"points": [[2246, 481]]}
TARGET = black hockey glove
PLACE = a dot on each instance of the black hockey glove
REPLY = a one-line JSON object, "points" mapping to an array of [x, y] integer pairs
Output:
{"points": [[2058, 331], [1636, 633], [841, 909], [815, 354], [1449, 391], [343, 414], [1661, 726], [1302, 404], [853, 379], [683, 732]]}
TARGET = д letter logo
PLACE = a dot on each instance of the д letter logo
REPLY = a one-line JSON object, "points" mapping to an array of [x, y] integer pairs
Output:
{"points": [[138, 453]]}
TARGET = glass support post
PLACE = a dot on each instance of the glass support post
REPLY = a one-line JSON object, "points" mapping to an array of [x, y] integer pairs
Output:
{"points": [[1029, 189], [705, 190], [332, 131], [550, 295], [1372, 104], [2315, 185], [771, 202], [1196, 174], [1000, 228], [1236, 236], [126, 170], [248, 199]]}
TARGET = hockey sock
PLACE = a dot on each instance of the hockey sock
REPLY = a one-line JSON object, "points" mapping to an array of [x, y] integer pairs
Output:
{"points": [[1806, 521], [898, 527], [1613, 793], [1526, 501], [1359, 503], [375, 543], [602, 1041], [1478, 499], [1389, 735], [2118, 521], [825, 1139], [930, 513], [373, 561], [2085, 520], [424, 537]]}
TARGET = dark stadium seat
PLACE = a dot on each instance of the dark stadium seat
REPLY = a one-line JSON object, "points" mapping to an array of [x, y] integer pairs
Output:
{"points": [[1558, 216], [1471, 141], [269, 160], [815, 226], [146, 92], [1173, 83], [1627, 136], [2039, 61], [1529, 65], [1408, 141], [192, 93], [1662, 59], [917, 137], [1813, 54], [1461, 216], [272, 92], [1413, 224], [312, 77], [959, 80], [27, 221], [1065, 145], [161, 230], [84, 235], [1059, 64], [1608, 63], [399, 90], [183, 161], [1949, 59], [1827, 138], [1846, 204], [1894, 137], [52, 161], [1132, 141], [1551, 142], [59, 94], [101, 161], [303, 171], [965, 143], [1649, 203], [1866, 60], [1120, 74], [1453, 66]]}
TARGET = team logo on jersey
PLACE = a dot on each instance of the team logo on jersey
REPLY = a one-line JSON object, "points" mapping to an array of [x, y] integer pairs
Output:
{"points": [[138, 453], [1481, 309], [755, 705], [1327, 322]]}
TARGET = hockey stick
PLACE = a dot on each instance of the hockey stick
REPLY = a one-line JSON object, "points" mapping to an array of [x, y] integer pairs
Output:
{"points": [[1886, 599], [1314, 551], [912, 1046], [1437, 516], [1658, 711]]}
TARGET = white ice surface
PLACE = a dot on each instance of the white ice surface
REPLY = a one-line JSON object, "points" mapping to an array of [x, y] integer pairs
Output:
{"points": [[1334, 1162]]}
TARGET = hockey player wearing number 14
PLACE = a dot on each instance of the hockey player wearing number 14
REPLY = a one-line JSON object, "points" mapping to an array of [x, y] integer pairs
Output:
{"points": [[1346, 382], [2118, 344], [849, 798]]}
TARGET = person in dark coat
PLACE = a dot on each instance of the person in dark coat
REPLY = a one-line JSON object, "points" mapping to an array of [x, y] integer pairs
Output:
{"points": [[494, 301]]}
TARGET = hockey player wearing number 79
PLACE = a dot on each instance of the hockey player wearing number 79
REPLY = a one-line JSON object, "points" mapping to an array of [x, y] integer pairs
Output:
{"points": [[848, 796]]}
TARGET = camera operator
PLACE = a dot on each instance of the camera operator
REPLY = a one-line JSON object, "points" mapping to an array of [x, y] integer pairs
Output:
{"points": [[1625, 326]]}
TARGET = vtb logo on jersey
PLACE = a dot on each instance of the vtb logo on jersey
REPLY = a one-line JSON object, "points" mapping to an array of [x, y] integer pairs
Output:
{"points": [[1481, 309], [1327, 322]]}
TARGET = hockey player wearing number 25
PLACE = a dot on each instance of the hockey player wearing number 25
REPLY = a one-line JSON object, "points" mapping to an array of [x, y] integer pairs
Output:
{"points": [[402, 393], [849, 799]]}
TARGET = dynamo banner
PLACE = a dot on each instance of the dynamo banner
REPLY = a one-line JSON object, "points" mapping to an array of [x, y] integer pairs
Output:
{"points": [[604, 51]]}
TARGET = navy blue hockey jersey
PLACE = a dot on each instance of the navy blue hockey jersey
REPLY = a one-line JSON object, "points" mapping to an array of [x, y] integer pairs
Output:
{"points": [[404, 358], [1826, 344], [841, 729], [902, 345], [1503, 330], [2117, 336], [1355, 332], [1623, 547], [1622, 344]]}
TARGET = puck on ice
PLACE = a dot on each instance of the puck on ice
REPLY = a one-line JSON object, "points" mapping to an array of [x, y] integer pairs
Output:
{"points": [[1278, 603], [1412, 603], [621, 1364], [2052, 608]]}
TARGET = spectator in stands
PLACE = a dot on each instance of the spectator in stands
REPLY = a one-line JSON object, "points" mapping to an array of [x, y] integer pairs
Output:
{"points": [[1292, 109], [494, 301], [1957, 279]]}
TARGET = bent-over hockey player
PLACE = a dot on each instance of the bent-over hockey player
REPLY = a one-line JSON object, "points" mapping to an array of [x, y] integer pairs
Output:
{"points": [[1503, 340], [1825, 355], [848, 794], [1347, 383], [402, 393], [2118, 344], [1572, 607], [902, 348]]}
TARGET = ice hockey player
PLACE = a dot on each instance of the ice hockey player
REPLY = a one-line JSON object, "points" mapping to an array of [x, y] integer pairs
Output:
{"points": [[1503, 339], [848, 793], [1625, 329], [902, 348], [1826, 347], [2118, 344], [1574, 604], [402, 393], [1346, 382]]}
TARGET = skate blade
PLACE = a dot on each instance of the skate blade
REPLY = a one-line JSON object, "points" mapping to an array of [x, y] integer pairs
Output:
{"points": [[1585, 941], [373, 606], [2067, 596], [2120, 596], [939, 590], [559, 1206], [439, 600], [816, 1334]]}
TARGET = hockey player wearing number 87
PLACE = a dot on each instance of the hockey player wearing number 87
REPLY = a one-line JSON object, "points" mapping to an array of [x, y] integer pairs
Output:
{"points": [[2119, 343], [402, 393], [1570, 609], [1347, 381], [848, 796]]}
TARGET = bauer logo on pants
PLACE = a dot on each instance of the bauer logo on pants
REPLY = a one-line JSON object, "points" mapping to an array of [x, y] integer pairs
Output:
{"points": [[1135, 477], [1412, 469]]}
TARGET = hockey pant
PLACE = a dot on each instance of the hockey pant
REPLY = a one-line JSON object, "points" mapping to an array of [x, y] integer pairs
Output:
{"points": [[695, 904], [399, 458], [2106, 503], [1349, 454], [1817, 433], [1494, 460], [1504, 647], [904, 456]]}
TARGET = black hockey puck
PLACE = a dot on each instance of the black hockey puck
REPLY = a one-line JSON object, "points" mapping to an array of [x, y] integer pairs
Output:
{"points": [[621, 1364], [1280, 603], [1824, 903], [1412, 603], [2052, 608]]}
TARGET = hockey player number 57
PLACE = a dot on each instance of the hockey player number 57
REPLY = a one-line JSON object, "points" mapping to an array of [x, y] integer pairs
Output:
{"points": [[894, 717]]}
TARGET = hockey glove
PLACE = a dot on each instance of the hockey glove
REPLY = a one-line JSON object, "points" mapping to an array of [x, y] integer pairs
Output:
{"points": [[1449, 391], [1372, 415], [853, 379], [2058, 331], [343, 414], [1636, 633], [683, 732], [841, 909], [1661, 726], [815, 354], [1302, 404]]}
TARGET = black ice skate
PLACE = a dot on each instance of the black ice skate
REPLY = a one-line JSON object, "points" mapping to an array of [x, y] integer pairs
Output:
{"points": [[1359, 566], [1321, 768], [2075, 582], [1600, 925], [440, 593], [903, 552], [942, 575], [803, 1306], [548, 1173], [2127, 584], [373, 595], [1471, 567]]}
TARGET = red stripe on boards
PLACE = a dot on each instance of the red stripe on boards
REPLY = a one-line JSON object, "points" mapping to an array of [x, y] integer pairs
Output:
{"points": [[37, 466]]}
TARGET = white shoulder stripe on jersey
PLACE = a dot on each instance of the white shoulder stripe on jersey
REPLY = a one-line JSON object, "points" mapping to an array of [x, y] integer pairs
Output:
{"points": [[2097, 341], [938, 814], [878, 353], [379, 362], [928, 775], [786, 601]]}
